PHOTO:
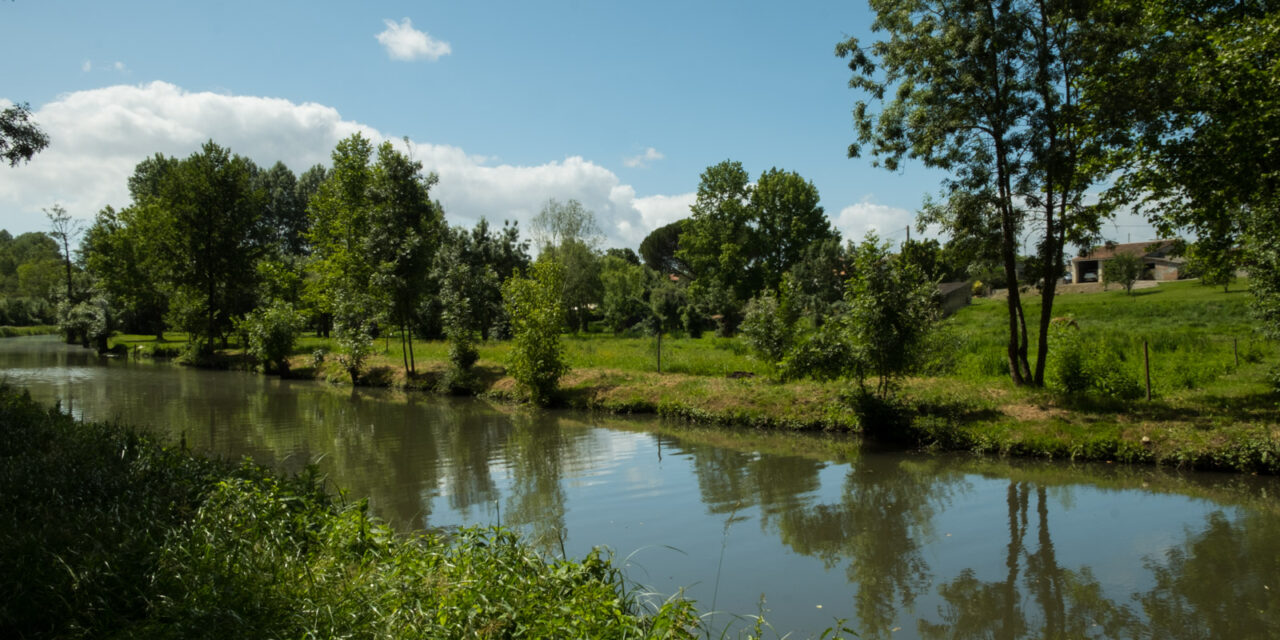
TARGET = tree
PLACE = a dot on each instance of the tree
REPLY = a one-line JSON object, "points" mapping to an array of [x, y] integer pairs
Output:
{"points": [[65, 230], [1215, 260], [787, 220], [1192, 87], [990, 91], [625, 288], [20, 137], [208, 230], [891, 312], [405, 231], [117, 253], [535, 305], [284, 215], [569, 234], [1122, 269], [659, 250]]}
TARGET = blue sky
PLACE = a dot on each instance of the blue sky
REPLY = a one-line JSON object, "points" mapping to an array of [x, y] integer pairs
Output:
{"points": [[619, 105]]}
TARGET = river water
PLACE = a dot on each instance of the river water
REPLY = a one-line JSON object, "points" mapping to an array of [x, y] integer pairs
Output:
{"points": [[811, 529]]}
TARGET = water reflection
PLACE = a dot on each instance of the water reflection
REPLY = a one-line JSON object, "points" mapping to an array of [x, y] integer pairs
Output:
{"points": [[902, 546]]}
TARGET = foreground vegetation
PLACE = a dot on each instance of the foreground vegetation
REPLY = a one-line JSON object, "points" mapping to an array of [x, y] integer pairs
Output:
{"points": [[1208, 410], [105, 532]]}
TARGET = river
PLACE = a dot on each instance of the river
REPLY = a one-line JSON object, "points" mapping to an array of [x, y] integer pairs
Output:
{"points": [[812, 529]]}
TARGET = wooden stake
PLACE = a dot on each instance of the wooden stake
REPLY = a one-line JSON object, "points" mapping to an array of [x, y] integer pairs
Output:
{"points": [[1235, 348], [659, 356], [1146, 358]]}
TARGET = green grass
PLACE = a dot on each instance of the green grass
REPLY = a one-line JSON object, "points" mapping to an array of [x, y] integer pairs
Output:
{"points": [[1208, 410], [104, 532], [35, 330]]}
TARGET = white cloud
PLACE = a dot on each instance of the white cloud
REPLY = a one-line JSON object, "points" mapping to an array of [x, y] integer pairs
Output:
{"points": [[403, 42], [119, 66], [87, 66], [98, 136], [888, 222], [643, 160]]}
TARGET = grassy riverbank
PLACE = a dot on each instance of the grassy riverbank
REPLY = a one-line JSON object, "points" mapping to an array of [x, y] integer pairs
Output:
{"points": [[105, 532], [1213, 406]]}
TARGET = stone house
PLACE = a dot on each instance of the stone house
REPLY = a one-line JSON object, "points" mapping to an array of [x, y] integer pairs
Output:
{"points": [[1157, 262]]}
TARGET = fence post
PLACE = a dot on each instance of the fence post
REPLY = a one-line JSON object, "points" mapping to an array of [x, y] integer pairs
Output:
{"points": [[1146, 359], [1235, 349]]}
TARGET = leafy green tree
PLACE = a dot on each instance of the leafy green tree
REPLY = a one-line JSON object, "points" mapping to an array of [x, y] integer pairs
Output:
{"points": [[1192, 88], [716, 244], [787, 221], [344, 260], [535, 305], [271, 331], [208, 237], [1123, 269], [569, 235], [891, 312], [659, 250], [459, 282], [405, 232], [1214, 261], [817, 280], [625, 291], [20, 137], [31, 247], [769, 327], [116, 252], [990, 91], [284, 215]]}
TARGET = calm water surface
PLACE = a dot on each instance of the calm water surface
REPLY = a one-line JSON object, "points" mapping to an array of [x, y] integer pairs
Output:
{"points": [[900, 546]]}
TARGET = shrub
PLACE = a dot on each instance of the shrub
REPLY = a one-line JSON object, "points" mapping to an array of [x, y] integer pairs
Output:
{"points": [[1067, 370], [1122, 269], [536, 308], [890, 315], [768, 326], [821, 354], [356, 342], [270, 333]]}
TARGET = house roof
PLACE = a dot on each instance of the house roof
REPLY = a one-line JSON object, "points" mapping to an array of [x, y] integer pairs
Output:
{"points": [[1152, 248]]}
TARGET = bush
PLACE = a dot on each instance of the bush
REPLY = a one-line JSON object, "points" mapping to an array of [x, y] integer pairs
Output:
{"points": [[768, 328], [821, 354], [356, 342], [536, 308], [270, 333], [1067, 370]]}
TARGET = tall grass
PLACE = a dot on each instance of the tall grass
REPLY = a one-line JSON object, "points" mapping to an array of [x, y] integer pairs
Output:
{"points": [[1193, 333], [104, 532]]}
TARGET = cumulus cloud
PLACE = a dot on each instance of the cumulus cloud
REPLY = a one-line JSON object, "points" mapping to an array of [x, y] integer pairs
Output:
{"points": [[643, 160], [855, 220], [98, 136], [403, 42], [87, 66]]}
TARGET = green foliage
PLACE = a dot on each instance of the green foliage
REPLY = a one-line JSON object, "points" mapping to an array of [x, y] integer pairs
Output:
{"points": [[659, 250], [822, 354], [116, 535], [569, 235], [206, 230], [355, 339], [121, 252], [786, 221], [20, 136], [535, 305], [1123, 269], [769, 327], [625, 286], [458, 324], [891, 312], [1067, 370], [270, 332]]}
